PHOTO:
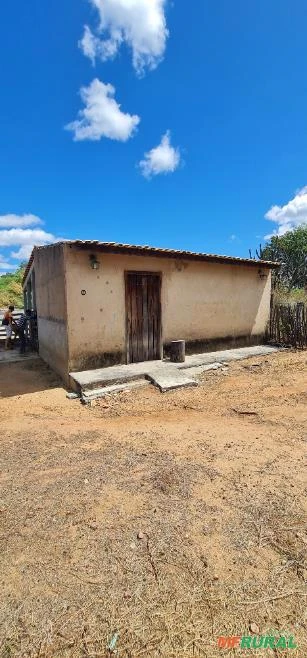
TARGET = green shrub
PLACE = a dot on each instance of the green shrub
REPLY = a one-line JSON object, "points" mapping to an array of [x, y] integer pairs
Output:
{"points": [[11, 288]]}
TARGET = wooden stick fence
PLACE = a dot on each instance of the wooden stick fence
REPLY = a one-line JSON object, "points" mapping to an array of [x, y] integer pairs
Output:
{"points": [[288, 324]]}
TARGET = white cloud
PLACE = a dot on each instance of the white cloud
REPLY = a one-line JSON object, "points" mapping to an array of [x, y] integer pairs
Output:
{"points": [[102, 116], [20, 236], [14, 221], [163, 159], [15, 234], [89, 44], [24, 252], [94, 48], [141, 24], [4, 264], [24, 239], [291, 215]]}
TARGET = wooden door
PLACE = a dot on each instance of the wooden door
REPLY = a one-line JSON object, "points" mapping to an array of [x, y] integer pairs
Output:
{"points": [[143, 316]]}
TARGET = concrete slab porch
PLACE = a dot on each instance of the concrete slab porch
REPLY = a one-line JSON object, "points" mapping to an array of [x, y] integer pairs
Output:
{"points": [[223, 356], [12, 356], [164, 374]]}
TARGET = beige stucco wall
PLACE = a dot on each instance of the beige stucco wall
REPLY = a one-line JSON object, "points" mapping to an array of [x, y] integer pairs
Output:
{"points": [[51, 307], [200, 302]]}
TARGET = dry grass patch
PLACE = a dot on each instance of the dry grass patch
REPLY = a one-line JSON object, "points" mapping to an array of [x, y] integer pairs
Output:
{"points": [[162, 531]]}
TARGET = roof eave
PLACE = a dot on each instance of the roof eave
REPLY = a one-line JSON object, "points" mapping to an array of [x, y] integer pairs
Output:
{"points": [[139, 250]]}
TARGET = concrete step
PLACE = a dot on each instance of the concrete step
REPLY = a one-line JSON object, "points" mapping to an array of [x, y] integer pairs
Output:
{"points": [[94, 393], [101, 377], [160, 373], [196, 371], [168, 379]]}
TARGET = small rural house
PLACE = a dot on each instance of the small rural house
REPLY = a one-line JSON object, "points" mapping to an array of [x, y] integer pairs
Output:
{"points": [[101, 303]]}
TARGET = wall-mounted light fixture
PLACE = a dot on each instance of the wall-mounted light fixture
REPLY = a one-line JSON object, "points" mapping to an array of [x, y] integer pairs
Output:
{"points": [[262, 274], [94, 262]]}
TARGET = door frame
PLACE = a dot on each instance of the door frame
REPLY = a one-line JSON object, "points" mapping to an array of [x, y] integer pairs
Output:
{"points": [[144, 273]]}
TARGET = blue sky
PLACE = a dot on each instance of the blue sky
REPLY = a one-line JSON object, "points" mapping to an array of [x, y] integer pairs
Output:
{"points": [[227, 80]]}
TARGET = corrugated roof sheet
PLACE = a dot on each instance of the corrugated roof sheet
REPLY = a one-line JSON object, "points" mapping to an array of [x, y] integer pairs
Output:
{"points": [[141, 250]]}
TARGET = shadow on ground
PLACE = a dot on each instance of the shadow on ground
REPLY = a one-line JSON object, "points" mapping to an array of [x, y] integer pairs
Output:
{"points": [[29, 375]]}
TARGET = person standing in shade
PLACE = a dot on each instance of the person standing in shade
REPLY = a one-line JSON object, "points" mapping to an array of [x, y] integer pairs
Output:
{"points": [[21, 329]]}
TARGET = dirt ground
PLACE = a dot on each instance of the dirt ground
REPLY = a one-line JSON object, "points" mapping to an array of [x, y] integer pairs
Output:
{"points": [[156, 523]]}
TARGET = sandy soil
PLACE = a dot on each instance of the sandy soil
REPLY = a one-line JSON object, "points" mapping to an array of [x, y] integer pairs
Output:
{"points": [[171, 519]]}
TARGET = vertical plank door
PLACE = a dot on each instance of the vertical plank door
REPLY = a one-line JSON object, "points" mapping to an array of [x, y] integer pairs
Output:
{"points": [[143, 316]]}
